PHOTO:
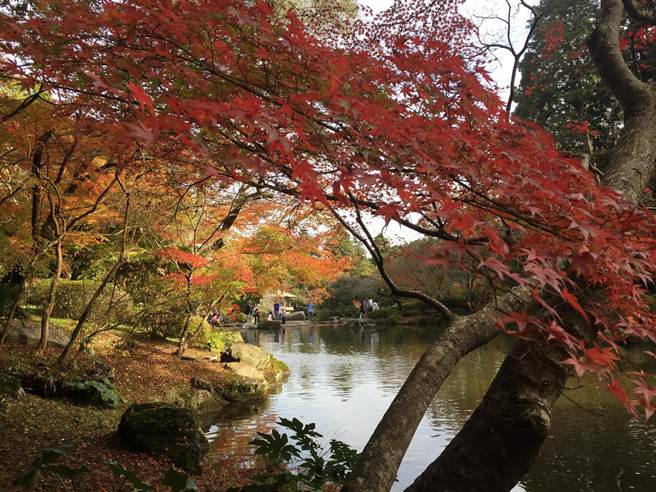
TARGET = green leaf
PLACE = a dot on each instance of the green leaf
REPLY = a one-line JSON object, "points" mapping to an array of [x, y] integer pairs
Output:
{"points": [[179, 482], [120, 472], [66, 471], [29, 478]]}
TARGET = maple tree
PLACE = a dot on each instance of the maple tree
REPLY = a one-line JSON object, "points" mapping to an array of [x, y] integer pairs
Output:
{"points": [[392, 116], [56, 165]]}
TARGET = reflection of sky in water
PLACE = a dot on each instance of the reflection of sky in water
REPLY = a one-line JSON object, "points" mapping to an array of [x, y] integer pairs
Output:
{"points": [[344, 379]]}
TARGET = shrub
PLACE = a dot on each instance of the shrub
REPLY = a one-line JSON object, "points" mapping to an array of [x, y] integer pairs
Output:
{"points": [[347, 311], [74, 295], [8, 293], [316, 466], [218, 341], [164, 321], [384, 312]]}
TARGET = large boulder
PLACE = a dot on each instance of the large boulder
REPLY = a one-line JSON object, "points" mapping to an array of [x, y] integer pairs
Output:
{"points": [[250, 361], [29, 333], [243, 389], [245, 371], [101, 392], [250, 355], [295, 316], [165, 430]]}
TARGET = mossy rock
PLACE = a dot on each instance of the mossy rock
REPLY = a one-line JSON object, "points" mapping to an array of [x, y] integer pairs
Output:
{"points": [[165, 430], [279, 366], [248, 354], [102, 392], [241, 390], [99, 392], [11, 386]]}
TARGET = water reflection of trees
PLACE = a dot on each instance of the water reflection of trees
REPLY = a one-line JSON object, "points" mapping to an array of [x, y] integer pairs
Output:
{"points": [[593, 446], [592, 452], [380, 341], [341, 376]]}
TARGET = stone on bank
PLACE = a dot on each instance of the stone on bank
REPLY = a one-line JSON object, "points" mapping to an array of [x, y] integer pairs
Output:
{"points": [[166, 431]]}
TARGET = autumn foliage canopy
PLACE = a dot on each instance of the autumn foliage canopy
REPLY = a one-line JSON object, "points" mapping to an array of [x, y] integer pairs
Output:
{"points": [[394, 115]]}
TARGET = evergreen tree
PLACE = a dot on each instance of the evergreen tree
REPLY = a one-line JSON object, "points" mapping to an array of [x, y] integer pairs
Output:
{"points": [[560, 88]]}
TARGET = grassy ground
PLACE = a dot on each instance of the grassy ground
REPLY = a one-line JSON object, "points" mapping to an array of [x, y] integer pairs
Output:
{"points": [[148, 371]]}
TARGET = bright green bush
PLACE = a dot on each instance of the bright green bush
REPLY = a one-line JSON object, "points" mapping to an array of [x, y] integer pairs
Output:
{"points": [[316, 468], [220, 340], [163, 321]]}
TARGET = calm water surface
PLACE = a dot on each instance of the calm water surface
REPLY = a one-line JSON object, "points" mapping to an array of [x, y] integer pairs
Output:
{"points": [[343, 379]]}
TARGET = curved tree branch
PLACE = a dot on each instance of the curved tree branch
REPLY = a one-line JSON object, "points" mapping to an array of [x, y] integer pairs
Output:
{"points": [[632, 159]]}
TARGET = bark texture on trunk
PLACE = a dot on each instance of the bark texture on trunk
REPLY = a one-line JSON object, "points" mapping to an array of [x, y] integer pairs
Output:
{"points": [[501, 439], [381, 457], [631, 161], [86, 312]]}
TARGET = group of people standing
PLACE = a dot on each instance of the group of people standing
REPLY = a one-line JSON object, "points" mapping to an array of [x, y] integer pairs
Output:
{"points": [[368, 306], [253, 314], [279, 313]]}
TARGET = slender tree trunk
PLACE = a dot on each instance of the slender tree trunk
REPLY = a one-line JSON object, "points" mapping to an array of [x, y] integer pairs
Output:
{"points": [[36, 211], [183, 344], [99, 290], [52, 293], [87, 311]]}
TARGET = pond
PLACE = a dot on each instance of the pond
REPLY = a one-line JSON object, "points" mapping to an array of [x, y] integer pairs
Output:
{"points": [[343, 379]]}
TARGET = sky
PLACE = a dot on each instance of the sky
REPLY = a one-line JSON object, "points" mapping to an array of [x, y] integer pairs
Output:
{"points": [[500, 72]]}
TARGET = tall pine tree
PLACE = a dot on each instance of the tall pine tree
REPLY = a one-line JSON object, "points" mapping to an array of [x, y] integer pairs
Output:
{"points": [[560, 88]]}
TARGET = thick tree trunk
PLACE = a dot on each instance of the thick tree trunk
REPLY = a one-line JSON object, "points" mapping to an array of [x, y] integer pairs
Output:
{"points": [[631, 161], [381, 457], [631, 168], [501, 439], [52, 294]]}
